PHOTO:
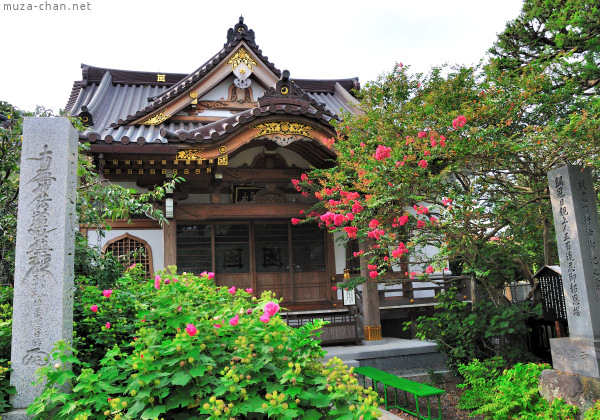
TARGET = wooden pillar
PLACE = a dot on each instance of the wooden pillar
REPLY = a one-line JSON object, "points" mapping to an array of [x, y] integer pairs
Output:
{"points": [[170, 243], [370, 295]]}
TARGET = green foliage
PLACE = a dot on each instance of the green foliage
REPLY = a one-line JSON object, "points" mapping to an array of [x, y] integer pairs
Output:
{"points": [[512, 394], [194, 350], [464, 332], [477, 378], [6, 298], [563, 32], [91, 337], [101, 269], [593, 413]]}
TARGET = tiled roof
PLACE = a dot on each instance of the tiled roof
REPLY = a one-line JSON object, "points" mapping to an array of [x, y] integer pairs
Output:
{"points": [[114, 98]]}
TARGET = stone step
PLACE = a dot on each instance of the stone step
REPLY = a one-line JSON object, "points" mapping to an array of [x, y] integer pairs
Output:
{"points": [[390, 354]]}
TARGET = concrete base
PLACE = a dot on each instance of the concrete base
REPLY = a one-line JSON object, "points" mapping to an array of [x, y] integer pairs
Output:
{"points": [[17, 414], [577, 356], [391, 354], [578, 390]]}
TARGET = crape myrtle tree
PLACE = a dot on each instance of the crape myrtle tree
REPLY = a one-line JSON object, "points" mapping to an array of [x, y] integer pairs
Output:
{"points": [[98, 201], [458, 159]]}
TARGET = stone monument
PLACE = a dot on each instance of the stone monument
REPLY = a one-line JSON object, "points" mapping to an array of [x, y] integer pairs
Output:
{"points": [[578, 235], [46, 222]]}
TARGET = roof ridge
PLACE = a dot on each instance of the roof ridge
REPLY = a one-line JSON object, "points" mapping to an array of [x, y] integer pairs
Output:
{"points": [[235, 36]]}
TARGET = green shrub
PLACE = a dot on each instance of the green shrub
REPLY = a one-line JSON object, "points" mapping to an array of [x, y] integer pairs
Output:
{"points": [[512, 394], [91, 337], [464, 332], [477, 379], [6, 298], [198, 351], [593, 413]]}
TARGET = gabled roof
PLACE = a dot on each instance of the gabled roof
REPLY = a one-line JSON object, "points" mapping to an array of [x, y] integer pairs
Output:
{"points": [[117, 100]]}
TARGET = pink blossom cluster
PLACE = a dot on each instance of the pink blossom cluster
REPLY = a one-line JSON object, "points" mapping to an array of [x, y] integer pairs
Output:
{"points": [[459, 122], [382, 152], [401, 249]]}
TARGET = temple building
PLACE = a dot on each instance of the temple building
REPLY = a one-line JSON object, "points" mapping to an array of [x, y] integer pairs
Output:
{"points": [[238, 130]]}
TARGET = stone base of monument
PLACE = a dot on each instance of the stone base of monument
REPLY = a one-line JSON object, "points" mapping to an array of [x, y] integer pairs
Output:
{"points": [[20, 414], [578, 390], [578, 356]]}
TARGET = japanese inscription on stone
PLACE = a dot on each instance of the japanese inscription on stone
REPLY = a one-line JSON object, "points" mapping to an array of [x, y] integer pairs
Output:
{"points": [[577, 232], [46, 221]]}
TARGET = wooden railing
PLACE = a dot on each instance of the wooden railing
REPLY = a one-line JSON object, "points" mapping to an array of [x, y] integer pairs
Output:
{"points": [[405, 294]]}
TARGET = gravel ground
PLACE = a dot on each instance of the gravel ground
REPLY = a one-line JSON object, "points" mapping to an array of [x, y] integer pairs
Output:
{"points": [[449, 400]]}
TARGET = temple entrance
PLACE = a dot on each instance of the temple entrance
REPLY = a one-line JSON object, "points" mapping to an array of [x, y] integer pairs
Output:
{"points": [[277, 256]]}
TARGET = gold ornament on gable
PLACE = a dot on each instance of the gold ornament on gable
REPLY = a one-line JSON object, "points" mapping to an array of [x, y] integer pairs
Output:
{"points": [[283, 127], [242, 56]]}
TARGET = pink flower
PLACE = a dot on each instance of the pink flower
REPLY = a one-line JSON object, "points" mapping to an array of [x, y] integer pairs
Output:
{"points": [[420, 224], [382, 152], [271, 308], [432, 219], [234, 321], [442, 141], [402, 220], [433, 143], [249, 290], [191, 330], [459, 122], [446, 201], [427, 153], [334, 288], [295, 221], [265, 318], [132, 266], [210, 275], [167, 281], [371, 266], [338, 219], [373, 223], [249, 311], [108, 325], [429, 269], [358, 254], [373, 274], [423, 163], [357, 207], [179, 308], [157, 282], [422, 134], [232, 290], [351, 231], [94, 308], [349, 216], [218, 325], [107, 293]]}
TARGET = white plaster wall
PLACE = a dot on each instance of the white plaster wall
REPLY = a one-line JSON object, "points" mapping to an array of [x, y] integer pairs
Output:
{"points": [[339, 249], [154, 238], [219, 92]]}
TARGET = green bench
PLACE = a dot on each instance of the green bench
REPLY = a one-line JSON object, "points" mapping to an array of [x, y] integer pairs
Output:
{"points": [[416, 389]]}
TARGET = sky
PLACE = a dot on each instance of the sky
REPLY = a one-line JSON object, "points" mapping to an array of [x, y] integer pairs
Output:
{"points": [[43, 50]]}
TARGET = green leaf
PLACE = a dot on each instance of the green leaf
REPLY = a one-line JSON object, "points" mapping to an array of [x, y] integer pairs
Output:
{"points": [[197, 370], [181, 378], [153, 412]]}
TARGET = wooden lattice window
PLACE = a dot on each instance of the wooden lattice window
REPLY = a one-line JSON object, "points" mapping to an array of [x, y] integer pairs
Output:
{"points": [[131, 250]]}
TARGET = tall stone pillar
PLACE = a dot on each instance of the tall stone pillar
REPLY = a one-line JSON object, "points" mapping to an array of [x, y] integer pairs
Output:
{"points": [[46, 222], [578, 235]]}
